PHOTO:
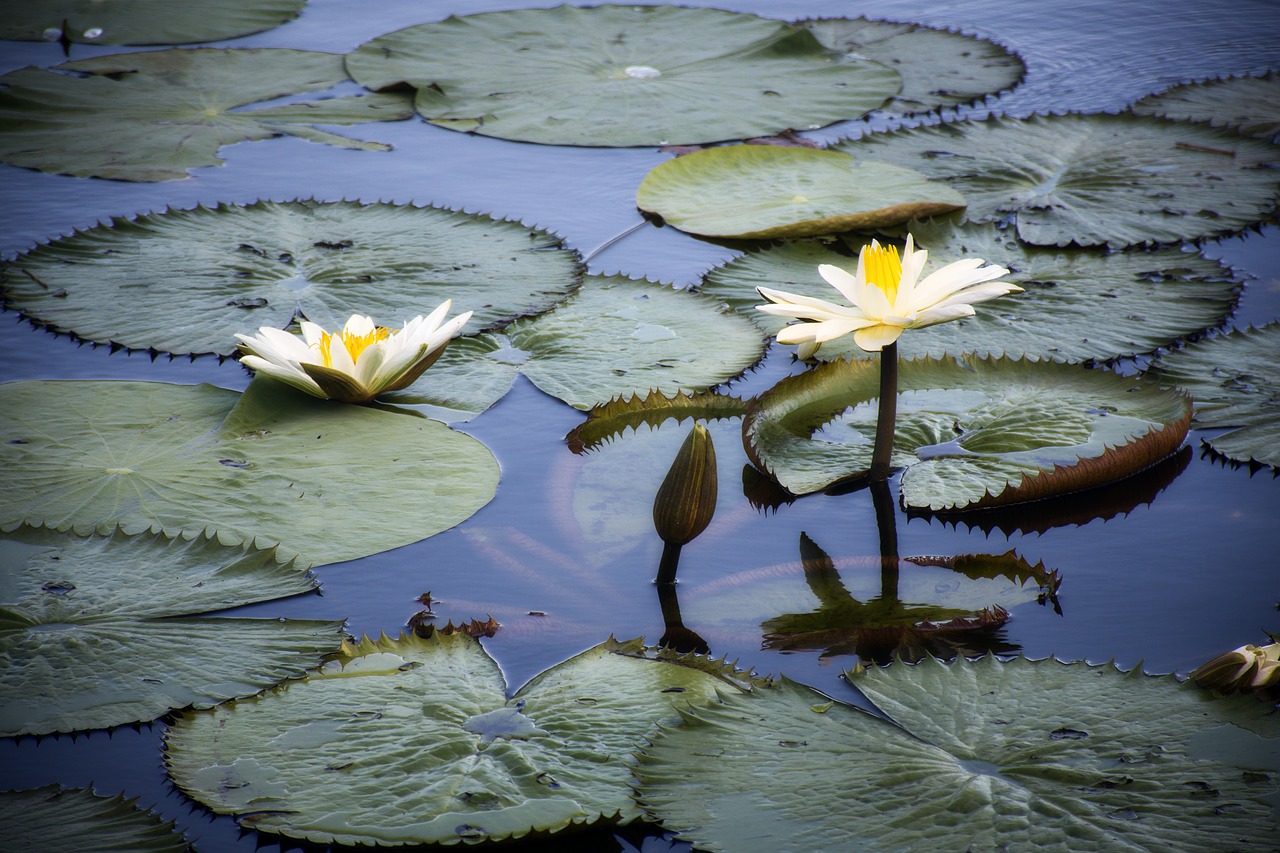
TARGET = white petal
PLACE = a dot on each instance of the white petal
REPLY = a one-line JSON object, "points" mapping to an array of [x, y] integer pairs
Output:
{"points": [[912, 265], [977, 293], [311, 333], [849, 284], [874, 303], [292, 376], [359, 324], [340, 357], [876, 338], [942, 314], [940, 284]]}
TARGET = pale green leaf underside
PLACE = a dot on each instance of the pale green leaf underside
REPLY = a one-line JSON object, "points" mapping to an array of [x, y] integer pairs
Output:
{"points": [[769, 191], [60, 820], [970, 432], [939, 68], [102, 630], [143, 21], [185, 281], [171, 110], [413, 741], [622, 75], [1092, 180], [1250, 105], [1233, 380], [325, 481], [1078, 305], [984, 755]]}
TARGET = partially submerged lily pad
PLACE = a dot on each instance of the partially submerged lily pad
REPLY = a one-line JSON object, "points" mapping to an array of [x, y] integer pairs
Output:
{"points": [[1078, 305], [939, 68], [971, 433], [769, 191], [142, 21], [233, 268], [1233, 380], [156, 114], [102, 630], [1249, 105], [413, 741], [325, 481], [622, 75], [1098, 179], [611, 420], [974, 755], [54, 819]]}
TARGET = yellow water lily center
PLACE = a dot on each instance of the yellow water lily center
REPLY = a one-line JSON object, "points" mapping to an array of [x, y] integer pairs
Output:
{"points": [[356, 364], [885, 298]]}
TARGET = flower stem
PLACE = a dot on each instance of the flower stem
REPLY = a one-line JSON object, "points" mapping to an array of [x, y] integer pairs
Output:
{"points": [[887, 416]]}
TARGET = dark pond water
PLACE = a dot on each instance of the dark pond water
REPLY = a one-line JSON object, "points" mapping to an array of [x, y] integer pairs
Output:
{"points": [[1166, 571]]}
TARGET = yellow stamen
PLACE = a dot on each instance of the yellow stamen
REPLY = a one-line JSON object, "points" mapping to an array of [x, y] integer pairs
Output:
{"points": [[355, 344], [883, 268]]}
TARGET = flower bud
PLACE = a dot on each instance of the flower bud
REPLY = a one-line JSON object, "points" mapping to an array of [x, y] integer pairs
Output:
{"points": [[686, 500]]}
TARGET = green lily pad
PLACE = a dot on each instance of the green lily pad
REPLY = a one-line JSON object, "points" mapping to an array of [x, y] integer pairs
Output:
{"points": [[971, 432], [142, 21], [1248, 105], [939, 68], [474, 373], [105, 629], [768, 191], [156, 114], [1092, 180], [1078, 305], [413, 741], [54, 819], [622, 75], [983, 755], [609, 421], [235, 268], [1233, 380], [324, 481]]}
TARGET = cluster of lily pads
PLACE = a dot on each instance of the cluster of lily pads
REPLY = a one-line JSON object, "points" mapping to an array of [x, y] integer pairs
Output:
{"points": [[209, 499]]}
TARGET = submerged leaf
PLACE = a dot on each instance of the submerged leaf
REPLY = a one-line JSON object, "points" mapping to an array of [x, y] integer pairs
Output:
{"points": [[971, 432], [156, 114], [54, 819], [235, 268], [1091, 180], [1233, 380], [984, 755], [413, 741], [622, 75], [271, 466], [769, 191], [103, 630]]}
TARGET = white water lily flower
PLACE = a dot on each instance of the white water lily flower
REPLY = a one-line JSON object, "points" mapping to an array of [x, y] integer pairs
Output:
{"points": [[885, 298], [356, 364]]}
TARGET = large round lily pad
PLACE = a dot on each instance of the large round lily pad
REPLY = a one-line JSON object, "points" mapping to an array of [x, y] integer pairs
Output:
{"points": [[983, 755], [54, 819], [1094, 179], [185, 281], [1233, 380], [622, 75], [768, 191], [142, 21], [413, 741], [1078, 305], [156, 114], [103, 630], [325, 481], [971, 432], [1250, 105], [939, 68]]}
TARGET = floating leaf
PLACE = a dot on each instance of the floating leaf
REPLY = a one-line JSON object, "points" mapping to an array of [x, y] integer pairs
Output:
{"points": [[612, 419], [622, 75], [1095, 179], [1079, 305], [53, 819], [326, 481], [972, 432], [233, 269], [939, 68], [142, 21], [984, 755], [1248, 105], [156, 114], [413, 741], [1233, 380], [103, 630], [768, 191]]}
